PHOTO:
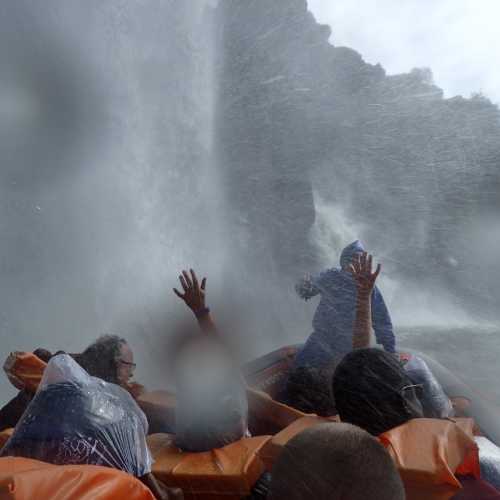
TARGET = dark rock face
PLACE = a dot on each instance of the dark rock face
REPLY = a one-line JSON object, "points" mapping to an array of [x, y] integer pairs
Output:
{"points": [[295, 114], [283, 92]]}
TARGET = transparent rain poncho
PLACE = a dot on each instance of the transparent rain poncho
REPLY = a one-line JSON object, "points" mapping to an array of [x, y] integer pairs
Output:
{"points": [[78, 419], [434, 400], [489, 458]]}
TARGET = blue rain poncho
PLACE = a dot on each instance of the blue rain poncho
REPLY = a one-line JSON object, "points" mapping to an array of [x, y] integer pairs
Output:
{"points": [[334, 318]]}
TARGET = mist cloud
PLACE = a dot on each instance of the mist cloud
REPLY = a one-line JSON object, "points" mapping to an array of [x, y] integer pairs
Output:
{"points": [[457, 39]]}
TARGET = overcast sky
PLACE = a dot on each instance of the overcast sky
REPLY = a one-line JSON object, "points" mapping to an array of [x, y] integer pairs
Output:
{"points": [[457, 39]]}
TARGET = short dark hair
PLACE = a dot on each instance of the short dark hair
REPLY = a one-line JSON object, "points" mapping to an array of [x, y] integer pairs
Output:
{"points": [[308, 389], [100, 359], [367, 387], [43, 354], [333, 461]]}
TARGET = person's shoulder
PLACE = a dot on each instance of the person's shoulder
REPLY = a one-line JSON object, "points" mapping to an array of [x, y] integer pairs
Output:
{"points": [[331, 272]]}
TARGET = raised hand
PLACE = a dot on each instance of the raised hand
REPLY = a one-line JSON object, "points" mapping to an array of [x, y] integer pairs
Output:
{"points": [[194, 294], [361, 270]]}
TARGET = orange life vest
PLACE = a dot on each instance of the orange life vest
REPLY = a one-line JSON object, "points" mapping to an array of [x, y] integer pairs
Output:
{"points": [[272, 449], [26, 479], [24, 370], [229, 472], [430, 453]]}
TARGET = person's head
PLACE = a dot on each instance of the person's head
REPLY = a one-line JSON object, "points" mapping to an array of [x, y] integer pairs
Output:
{"points": [[109, 358], [333, 462], [372, 390], [43, 354], [308, 389], [211, 404], [347, 255]]}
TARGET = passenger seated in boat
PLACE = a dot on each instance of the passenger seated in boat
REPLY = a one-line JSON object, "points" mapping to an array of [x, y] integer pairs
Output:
{"points": [[12, 411], [372, 390], [211, 407], [335, 461], [335, 314], [109, 358], [308, 388], [435, 402], [81, 420]]}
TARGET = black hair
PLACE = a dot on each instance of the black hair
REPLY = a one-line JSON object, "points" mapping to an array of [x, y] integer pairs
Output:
{"points": [[43, 354], [308, 389], [367, 386]]}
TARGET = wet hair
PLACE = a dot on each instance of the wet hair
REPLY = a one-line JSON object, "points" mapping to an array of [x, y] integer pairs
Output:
{"points": [[367, 387], [100, 359], [43, 354], [308, 389], [335, 462]]}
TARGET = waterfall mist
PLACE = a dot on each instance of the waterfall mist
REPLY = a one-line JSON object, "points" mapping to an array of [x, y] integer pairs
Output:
{"points": [[108, 187], [233, 136]]}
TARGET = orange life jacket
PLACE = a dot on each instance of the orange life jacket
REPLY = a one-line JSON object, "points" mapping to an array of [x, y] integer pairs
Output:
{"points": [[26, 479], [272, 449], [430, 453], [229, 472], [24, 370]]}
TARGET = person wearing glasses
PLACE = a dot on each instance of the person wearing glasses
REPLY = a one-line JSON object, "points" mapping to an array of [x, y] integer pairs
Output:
{"points": [[109, 358]]}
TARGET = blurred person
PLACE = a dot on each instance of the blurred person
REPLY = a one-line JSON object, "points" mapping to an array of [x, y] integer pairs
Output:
{"points": [[212, 408]]}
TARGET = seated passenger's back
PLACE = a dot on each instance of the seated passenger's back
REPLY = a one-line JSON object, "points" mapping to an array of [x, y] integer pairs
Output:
{"points": [[335, 461], [78, 419]]}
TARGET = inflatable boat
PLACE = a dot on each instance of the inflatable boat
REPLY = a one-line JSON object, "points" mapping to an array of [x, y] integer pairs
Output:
{"points": [[232, 472], [268, 372]]}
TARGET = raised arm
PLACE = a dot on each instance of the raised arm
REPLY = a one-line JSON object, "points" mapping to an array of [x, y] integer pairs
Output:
{"points": [[194, 298], [218, 389], [382, 323], [361, 270]]}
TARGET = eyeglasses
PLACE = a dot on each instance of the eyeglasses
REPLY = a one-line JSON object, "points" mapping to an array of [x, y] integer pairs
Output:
{"points": [[127, 363], [418, 389]]}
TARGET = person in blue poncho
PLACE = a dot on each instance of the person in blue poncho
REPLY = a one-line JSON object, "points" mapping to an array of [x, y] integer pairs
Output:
{"points": [[334, 317]]}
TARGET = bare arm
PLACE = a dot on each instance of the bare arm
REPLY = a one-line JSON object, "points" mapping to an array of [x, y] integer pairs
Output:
{"points": [[361, 269], [194, 298]]}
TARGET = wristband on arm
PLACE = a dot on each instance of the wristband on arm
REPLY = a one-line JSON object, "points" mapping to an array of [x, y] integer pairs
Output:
{"points": [[201, 312]]}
